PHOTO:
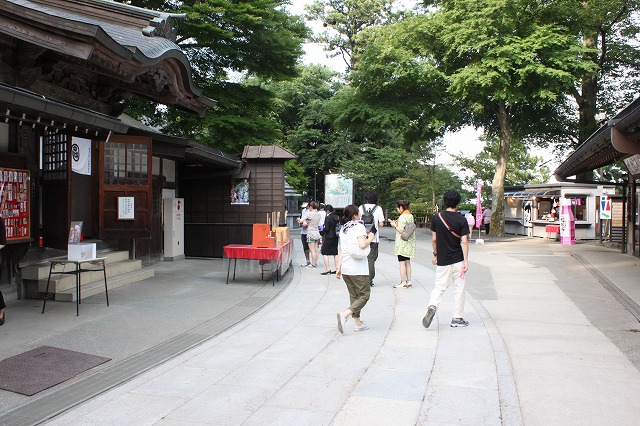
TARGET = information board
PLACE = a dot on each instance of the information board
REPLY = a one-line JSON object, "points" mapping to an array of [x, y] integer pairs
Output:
{"points": [[15, 189], [338, 190], [126, 208]]}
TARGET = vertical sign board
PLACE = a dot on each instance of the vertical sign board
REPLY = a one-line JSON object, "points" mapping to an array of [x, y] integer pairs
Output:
{"points": [[527, 208], [605, 207], [15, 205], [338, 191]]}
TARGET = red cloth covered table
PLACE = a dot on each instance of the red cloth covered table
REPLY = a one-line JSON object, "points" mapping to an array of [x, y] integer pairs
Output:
{"points": [[279, 256], [552, 229]]}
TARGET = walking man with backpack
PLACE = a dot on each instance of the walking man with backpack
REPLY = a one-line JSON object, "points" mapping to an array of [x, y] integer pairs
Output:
{"points": [[450, 242], [373, 217]]}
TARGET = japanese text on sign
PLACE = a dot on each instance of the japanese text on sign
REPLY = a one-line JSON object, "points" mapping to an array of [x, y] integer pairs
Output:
{"points": [[14, 190], [126, 208]]}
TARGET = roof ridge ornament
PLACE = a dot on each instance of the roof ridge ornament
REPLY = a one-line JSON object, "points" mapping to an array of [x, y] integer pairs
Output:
{"points": [[162, 26]]}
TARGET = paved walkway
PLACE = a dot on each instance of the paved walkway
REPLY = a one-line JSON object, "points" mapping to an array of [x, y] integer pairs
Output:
{"points": [[548, 343]]}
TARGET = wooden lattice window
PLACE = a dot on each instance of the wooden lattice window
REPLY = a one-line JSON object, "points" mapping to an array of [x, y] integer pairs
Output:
{"points": [[125, 163], [55, 156]]}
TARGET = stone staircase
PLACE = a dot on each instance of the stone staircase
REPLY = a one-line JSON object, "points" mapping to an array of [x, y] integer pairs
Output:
{"points": [[120, 270]]}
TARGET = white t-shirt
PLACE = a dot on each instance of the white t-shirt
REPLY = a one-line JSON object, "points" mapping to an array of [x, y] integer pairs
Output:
{"points": [[351, 266], [323, 215], [378, 216]]}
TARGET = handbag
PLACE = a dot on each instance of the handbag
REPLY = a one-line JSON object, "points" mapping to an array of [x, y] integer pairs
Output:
{"points": [[408, 231], [352, 248]]}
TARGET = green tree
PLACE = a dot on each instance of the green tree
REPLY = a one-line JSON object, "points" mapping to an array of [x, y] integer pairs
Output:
{"points": [[296, 176], [348, 19], [228, 44], [497, 62], [523, 168], [300, 109], [497, 56], [425, 184], [308, 108], [609, 28]]}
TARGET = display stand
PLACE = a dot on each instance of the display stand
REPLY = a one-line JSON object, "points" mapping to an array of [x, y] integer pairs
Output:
{"points": [[98, 261]]}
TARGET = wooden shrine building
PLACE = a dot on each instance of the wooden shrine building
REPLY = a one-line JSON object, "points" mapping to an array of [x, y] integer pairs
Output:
{"points": [[66, 70]]}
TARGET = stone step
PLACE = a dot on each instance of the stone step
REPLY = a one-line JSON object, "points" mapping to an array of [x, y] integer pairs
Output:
{"points": [[40, 271], [61, 282], [97, 287]]}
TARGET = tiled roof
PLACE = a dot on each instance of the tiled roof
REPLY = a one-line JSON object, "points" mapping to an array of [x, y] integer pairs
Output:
{"points": [[145, 33], [137, 35], [267, 152]]}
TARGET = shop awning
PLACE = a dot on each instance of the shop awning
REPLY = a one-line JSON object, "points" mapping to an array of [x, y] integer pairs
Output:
{"points": [[525, 195]]}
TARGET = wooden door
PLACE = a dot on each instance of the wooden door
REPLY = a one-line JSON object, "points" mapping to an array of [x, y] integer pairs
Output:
{"points": [[125, 171]]}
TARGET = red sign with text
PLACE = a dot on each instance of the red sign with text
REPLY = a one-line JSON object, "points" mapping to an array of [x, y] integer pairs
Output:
{"points": [[14, 190]]}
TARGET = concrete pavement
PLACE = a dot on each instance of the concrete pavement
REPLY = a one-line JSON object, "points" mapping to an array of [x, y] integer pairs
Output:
{"points": [[548, 343]]}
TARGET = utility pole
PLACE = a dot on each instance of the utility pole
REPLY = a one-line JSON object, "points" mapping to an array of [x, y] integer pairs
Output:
{"points": [[315, 183]]}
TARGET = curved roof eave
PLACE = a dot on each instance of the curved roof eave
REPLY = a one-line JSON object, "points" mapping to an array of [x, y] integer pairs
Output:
{"points": [[128, 42], [598, 150]]}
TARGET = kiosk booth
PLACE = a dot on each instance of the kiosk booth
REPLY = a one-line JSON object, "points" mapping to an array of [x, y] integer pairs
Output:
{"points": [[532, 210]]}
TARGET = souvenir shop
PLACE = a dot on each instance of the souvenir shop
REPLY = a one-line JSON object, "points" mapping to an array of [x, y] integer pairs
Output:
{"points": [[530, 209]]}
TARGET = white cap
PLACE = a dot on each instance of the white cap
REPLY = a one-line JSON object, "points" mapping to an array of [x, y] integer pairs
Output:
{"points": [[305, 204]]}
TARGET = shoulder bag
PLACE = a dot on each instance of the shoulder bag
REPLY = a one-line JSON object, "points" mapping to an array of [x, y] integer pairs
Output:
{"points": [[447, 225], [408, 231]]}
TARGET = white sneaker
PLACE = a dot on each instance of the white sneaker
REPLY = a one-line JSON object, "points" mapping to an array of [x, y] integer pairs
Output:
{"points": [[310, 266], [361, 327]]}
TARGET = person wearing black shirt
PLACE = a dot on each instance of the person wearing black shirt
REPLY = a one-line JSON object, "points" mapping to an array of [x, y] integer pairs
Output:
{"points": [[450, 242], [330, 237]]}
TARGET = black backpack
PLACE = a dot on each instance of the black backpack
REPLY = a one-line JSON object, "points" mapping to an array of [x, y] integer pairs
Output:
{"points": [[367, 216]]}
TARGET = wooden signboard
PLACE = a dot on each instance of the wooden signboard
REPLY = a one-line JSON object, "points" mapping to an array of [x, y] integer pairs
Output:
{"points": [[14, 190]]}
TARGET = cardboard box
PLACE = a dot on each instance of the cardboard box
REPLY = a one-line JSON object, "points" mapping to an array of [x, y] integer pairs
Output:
{"points": [[282, 234], [261, 236], [81, 251]]}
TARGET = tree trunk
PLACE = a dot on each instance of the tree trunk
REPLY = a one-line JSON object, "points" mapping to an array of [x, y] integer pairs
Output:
{"points": [[587, 103], [496, 229]]}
